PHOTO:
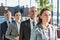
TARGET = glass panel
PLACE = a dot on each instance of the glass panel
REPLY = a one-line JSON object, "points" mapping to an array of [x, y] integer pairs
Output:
{"points": [[59, 12], [54, 11]]}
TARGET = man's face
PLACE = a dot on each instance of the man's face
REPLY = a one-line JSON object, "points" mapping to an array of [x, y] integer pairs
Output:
{"points": [[33, 13], [7, 15]]}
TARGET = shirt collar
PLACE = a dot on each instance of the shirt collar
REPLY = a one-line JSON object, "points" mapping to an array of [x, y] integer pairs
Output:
{"points": [[33, 20], [47, 26], [17, 23], [9, 20]]}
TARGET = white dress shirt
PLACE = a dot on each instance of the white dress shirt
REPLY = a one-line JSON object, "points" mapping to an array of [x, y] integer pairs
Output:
{"points": [[18, 27], [31, 23], [8, 22], [32, 37]]}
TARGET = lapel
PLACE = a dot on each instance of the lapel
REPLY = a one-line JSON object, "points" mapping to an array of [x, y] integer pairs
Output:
{"points": [[29, 23], [6, 24], [42, 31], [50, 28], [16, 26], [29, 27]]}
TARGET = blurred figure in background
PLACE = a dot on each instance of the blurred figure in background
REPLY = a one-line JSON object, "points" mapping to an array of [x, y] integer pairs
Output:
{"points": [[12, 32], [5, 24], [45, 30]]}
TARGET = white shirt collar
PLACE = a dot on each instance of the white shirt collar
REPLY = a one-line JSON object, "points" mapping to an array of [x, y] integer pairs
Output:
{"points": [[18, 26], [33, 20], [31, 23], [48, 26], [9, 20]]}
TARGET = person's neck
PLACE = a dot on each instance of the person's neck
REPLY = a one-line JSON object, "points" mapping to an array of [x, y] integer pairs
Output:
{"points": [[17, 21], [8, 19], [45, 25], [33, 19]]}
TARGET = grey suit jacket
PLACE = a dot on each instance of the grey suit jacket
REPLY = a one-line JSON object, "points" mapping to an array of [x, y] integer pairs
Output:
{"points": [[40, 35], [12, 31]]}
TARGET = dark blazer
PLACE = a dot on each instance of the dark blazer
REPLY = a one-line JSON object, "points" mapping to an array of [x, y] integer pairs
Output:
{"points": [[4, 27], [0, 32], [3, 30], [25, 30]]}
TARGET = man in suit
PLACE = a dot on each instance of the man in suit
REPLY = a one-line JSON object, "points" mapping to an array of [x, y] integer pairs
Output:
{"points": [[5, 24], [27, 27]]}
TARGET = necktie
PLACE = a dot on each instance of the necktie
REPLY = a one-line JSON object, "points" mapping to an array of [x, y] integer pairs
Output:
{"points": [[9, 22], [33, 23]]}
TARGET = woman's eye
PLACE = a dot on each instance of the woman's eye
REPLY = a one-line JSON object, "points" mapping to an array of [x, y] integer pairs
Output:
{"points": [[49, 15], [45, 15]]}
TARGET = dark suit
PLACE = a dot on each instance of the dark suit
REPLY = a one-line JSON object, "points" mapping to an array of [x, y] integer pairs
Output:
{"points": [[0, 34], [25, 30], [4, 27]]}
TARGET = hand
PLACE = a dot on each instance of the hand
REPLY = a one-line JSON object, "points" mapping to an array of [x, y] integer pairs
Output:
{"points": [[17, 38]]}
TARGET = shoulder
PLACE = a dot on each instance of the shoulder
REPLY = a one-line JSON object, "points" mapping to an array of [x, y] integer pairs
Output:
{"points": [[3, 23], [12, 24], [24, 22], [40, 26], [53, 27], [27, 20]]}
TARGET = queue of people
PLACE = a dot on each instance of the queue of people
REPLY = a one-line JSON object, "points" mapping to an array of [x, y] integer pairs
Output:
{"points": [[31, 29]]}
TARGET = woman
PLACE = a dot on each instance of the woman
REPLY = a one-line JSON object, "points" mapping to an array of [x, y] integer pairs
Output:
{"points": [[45, 30], [12, 32]]}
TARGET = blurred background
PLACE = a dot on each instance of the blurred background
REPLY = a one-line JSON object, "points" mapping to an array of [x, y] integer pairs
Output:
{"points": [[24, 5]]}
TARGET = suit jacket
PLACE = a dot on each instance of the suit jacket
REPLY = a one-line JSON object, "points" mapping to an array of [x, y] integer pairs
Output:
{"points": [[12, 31], [25, 30], [4, 27], [40, 35], [0, 32]]}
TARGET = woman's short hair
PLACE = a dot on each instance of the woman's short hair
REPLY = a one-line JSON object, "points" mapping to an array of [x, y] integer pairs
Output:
{"points": [[16, 12]]}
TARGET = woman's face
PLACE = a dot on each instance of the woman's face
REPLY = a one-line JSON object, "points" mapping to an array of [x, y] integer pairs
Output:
{"points": [[46, 16], [17, 16]]}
